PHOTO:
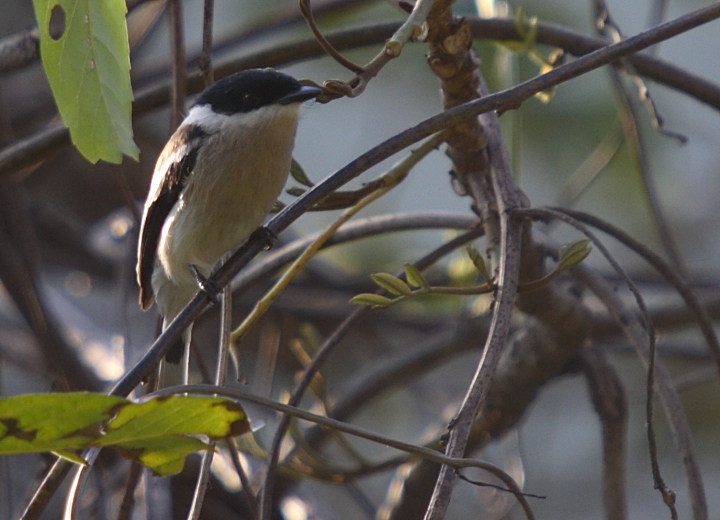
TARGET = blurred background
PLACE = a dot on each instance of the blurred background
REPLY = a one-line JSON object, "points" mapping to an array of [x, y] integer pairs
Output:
{"points": [[69, 234]]}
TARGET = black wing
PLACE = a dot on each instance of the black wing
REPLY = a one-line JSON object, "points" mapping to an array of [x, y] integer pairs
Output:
{"points": [[180, 155]]}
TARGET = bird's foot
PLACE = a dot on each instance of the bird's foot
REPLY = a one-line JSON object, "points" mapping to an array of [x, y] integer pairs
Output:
{"points": [[210, 288], [265, 235]]}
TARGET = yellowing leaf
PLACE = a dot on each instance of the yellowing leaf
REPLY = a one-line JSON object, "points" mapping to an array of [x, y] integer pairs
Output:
{"points": [[87, 63], [53, 422], [158, 433], [177, 415]]}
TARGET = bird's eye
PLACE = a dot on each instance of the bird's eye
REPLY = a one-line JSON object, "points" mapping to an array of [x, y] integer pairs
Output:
{"points": [[248, 99]]}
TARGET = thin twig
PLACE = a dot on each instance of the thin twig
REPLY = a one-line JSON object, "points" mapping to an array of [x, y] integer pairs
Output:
{"points": [[410, 29], [591, 167], [128, 498], [668, 495], [666, 271], [205, 63], [244, 480], [636, 143], [674, 411], [634, 137], [306, 10], [177, 64], [289, 410], [351, 232], [220, 376], [50, 481]]}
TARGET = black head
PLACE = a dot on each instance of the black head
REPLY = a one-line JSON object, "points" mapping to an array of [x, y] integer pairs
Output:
{"points": [[251, 89]]}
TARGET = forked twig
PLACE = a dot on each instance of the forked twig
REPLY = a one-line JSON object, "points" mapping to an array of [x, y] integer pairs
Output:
{"points": [[411, 28], [307, 13]]}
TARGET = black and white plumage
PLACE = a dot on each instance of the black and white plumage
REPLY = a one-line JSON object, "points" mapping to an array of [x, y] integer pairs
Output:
{"points": [[215, 182]]}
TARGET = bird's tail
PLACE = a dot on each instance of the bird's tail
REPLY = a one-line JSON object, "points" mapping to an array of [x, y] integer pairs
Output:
{"points": [[174, 369]]}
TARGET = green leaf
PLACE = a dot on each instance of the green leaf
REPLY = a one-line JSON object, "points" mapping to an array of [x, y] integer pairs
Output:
{"points": [[70, 457], [164, 456], [53, 422], [526, 27], [415, 277], [371, 300], [479, 263], [572, 254], [391, 284], [298, 173], [87, 63], [295, 191], [158, 433]]}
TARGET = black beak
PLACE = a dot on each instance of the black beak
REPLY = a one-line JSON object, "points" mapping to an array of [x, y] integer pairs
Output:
{"points": [[306, 92]]}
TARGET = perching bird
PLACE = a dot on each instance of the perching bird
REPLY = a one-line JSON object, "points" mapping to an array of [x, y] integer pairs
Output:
{"points": [[214, 183]]}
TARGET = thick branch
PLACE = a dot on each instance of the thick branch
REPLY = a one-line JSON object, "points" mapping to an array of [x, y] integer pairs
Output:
{"points": [[481, 164]]}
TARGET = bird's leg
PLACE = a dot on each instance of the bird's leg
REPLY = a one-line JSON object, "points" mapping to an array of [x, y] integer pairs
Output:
{"points": [[210, 288]]}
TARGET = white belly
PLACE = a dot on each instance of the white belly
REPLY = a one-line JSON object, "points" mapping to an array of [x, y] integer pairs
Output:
{"points": [[217, 213]]}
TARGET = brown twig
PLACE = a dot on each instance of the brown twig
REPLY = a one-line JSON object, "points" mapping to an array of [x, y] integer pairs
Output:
{"points": [[667, 494], [307, 13], [178, 72], [410, 29], [666, 271], [205, 63], [244, 480], [128, 500], [634, 137], [674, 411]]}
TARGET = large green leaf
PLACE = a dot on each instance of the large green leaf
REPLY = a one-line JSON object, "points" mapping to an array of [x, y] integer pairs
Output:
{"points": [[87, 62], [158, 433]]}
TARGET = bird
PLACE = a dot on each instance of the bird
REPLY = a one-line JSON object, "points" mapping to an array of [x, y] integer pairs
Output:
{"points": [[214, 183]]}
